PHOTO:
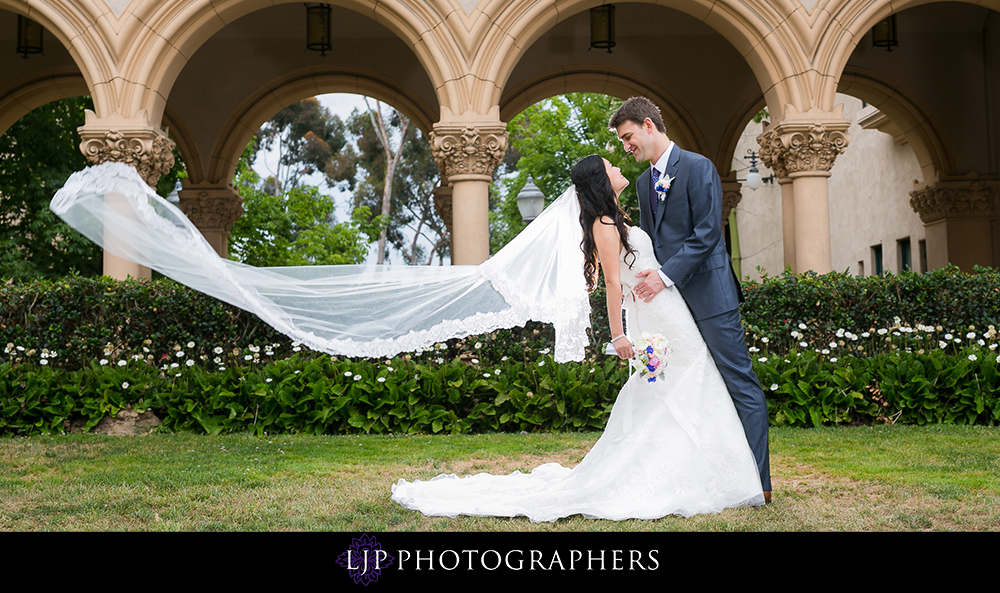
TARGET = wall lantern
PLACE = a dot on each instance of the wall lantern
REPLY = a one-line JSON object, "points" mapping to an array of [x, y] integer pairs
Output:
{"points": [[318, 28], [29, 37], [602, 27], [753, 177], [884, 33], [530, 201]]}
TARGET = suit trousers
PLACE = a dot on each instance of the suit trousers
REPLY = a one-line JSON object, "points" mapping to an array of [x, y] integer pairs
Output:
{"points": [[724, 336]]}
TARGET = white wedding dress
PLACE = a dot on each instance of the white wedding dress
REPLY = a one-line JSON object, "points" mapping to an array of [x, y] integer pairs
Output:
{"points": [[673, 447]]}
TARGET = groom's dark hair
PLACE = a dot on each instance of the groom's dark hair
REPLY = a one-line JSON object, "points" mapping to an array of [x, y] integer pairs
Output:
{"points": [[637, 109]]}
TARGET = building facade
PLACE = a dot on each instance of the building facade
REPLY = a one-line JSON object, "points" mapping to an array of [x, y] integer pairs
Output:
{"points": [[205, 74]]}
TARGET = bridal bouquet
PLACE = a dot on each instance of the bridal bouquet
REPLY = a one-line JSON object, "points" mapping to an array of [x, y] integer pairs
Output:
{"points": [[651, 356]]}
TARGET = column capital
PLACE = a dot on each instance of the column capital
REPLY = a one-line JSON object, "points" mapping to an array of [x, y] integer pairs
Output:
{"points": [[468, 148], [804, 142], [443, 205], [211, 208], [133, 141], [956, 197], [731, 196]]}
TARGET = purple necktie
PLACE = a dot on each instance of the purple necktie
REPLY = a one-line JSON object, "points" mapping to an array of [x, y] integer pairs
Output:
{"points": [[653, 198]]}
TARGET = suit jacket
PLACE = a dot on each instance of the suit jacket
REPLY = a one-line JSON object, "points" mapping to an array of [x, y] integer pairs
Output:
{"points": [[687, 234]]}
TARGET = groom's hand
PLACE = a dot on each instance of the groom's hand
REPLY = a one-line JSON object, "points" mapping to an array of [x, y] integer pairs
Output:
{"points": [[650, 286]]}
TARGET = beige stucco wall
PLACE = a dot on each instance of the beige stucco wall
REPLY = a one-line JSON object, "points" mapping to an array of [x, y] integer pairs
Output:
{"points": [[869, 202]]}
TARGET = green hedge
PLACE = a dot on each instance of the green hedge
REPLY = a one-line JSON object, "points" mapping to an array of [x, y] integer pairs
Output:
{"points": [[85, 319], [831, 349], [317, 395], [325, 395]]}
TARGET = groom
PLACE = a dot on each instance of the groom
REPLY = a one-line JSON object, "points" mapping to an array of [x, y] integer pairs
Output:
{"points": [[680, 205]]}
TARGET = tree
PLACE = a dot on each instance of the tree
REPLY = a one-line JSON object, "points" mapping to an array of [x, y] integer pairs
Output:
{"points": [[309, 139], [399, 181], [295, 227], [546, 140], [37, 155]]}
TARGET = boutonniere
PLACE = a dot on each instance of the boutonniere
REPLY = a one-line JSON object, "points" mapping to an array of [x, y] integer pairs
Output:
{"points": [[663, 186]]}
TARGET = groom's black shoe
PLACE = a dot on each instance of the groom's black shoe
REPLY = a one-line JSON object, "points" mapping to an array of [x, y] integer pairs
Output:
{"points": [[767, 497]]}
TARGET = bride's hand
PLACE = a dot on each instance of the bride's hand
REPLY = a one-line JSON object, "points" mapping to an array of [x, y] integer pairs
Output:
{"points": [[624, 348]]}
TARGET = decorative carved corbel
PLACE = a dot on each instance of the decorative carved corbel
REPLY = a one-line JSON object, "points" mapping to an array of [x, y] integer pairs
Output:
{"points": [[468, 149], [731, 197], [211, 209], [131, 141], [964, 197], [809, 141]]}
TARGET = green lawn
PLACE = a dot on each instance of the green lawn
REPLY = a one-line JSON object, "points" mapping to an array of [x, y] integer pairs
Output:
{"points": [[886, 478]]}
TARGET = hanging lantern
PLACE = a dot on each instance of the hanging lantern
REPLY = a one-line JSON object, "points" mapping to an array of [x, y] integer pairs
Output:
{"points": [[29, 37], [884, 33], [602, 27], [318, 28]]}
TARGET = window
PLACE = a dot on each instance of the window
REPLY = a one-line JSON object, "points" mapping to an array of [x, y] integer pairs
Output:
{"points": [[877, 259], [904, 255], [922, 247], [861, 267]]}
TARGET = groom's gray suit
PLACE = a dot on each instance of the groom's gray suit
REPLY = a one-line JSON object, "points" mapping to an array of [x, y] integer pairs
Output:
{"points": [[687, 239]]}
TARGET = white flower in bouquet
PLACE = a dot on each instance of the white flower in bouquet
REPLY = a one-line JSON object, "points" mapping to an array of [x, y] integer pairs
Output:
{"points": [[652, 352]]}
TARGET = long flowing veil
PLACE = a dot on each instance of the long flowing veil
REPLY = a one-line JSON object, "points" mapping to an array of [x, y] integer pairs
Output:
{"points": [[354, 310]]}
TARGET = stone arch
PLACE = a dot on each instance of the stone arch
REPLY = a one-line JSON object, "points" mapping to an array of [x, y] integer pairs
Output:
{"points": [[765, 33], [680, 126], [727, 150], [165, 35], [28, 93], [271, 98], [914, 119], [82, 28], [844, 24]]}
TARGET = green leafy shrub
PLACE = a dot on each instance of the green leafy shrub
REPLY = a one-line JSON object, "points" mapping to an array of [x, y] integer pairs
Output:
{"points": [[829, 349]]}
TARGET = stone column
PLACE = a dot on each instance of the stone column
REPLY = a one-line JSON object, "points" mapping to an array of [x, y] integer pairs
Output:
{"points": [[467, 153], [731, 197], [804, 147], [787, 221], [133, 141], [442, 205], [960, 218], [213, 210]]}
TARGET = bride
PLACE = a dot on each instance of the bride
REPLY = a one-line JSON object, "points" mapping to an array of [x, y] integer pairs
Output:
{"points": [[675, 446], [671, 447]]}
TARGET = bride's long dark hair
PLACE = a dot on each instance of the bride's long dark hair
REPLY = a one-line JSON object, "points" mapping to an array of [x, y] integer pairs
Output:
{"points": [[597, 200]]}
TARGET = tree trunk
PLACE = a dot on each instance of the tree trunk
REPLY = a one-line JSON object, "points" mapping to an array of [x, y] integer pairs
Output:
{"points": [[391, 159]]}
